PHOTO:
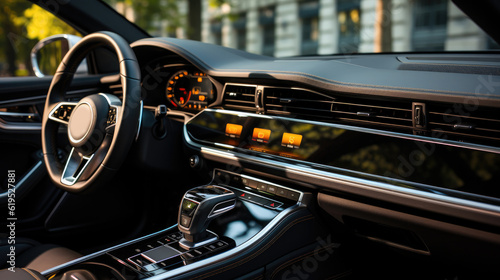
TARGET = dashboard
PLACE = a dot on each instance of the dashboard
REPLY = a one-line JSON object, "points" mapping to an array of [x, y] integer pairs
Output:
{"points": [[375, 138]]}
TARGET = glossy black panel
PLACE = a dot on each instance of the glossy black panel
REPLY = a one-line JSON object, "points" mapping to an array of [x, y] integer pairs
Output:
{"points": [[354, 152]]}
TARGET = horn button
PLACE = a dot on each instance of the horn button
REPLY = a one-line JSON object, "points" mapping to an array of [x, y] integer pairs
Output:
{"points": [[87, 124]]}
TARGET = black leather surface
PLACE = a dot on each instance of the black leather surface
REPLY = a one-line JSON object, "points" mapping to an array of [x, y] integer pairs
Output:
{"points": [[31, 254], [346, 73], [295, 231], [20, 274]]}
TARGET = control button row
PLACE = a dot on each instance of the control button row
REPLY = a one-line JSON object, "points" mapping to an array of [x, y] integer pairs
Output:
{"points": [[258, 199], [63, 112], [143, 247], [200, 251], [270, 188], [142, 263], [111, 116]]}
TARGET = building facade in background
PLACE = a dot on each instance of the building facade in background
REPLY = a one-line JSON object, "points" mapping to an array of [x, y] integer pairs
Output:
{"points": [[293, 27]]}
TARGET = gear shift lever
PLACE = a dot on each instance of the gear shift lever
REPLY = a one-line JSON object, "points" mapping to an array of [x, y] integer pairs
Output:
{"points": [[200, 206]]}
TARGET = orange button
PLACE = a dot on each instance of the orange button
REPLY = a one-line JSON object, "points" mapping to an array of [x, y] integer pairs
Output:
{"points": [[233, 130], [291, 140], [261, 135]]}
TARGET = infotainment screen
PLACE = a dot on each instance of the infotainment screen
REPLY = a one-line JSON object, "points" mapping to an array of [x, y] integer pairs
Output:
{"points": [[346, 148]]}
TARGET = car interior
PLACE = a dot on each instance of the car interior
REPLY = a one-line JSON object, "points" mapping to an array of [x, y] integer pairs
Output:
{"points": [[177, 159]]}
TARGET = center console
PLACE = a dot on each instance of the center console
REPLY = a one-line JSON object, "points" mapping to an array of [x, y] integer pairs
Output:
{"points": [[223, 221]]}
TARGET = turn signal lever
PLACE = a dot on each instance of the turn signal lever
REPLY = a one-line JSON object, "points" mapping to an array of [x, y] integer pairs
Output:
{"points": [[200, 206]]}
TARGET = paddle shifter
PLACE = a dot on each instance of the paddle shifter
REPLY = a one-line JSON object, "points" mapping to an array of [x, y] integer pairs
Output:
{"points": [[200, 206]]}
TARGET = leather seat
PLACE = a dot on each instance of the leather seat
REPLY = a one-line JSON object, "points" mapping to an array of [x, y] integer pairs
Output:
{"points": [[34, 255]]}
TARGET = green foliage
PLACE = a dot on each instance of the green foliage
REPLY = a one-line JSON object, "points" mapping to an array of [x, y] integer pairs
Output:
{"points": [[148, 14], [22, 25]]}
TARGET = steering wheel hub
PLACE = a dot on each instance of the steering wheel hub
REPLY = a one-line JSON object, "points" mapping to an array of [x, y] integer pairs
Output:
{"points": [[87, 125], [81, 124]]}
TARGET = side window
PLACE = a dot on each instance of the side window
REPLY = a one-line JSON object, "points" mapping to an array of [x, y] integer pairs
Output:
{"points": [[22, 25]]}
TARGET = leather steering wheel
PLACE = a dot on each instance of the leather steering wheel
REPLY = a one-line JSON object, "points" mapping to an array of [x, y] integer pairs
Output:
{"points": [[101, 127]]}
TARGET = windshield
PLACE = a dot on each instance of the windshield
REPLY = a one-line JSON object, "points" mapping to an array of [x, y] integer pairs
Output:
{"points": [[321, 27]]}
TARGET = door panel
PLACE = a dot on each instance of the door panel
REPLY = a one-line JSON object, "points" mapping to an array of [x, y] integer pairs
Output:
{"points": [[21, 109]]}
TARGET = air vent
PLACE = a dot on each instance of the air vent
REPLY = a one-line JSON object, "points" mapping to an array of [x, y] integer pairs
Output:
{"points": [[284, 101], [467, 123], [389, 114], [239, 97], [116, 89]]}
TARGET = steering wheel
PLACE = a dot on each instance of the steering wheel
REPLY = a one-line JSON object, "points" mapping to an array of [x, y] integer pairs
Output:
{"points": [[101, 127]]}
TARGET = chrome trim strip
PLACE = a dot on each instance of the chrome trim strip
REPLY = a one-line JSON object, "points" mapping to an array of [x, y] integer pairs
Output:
{"points": [[301, 170], [17, 115], [24, 178], [42, 98], [20, 126], [21, 100], [140, 122], [222, 210]]}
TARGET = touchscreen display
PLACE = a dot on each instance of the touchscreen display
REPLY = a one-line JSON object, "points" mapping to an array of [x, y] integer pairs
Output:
{"points": [[351, 150]]}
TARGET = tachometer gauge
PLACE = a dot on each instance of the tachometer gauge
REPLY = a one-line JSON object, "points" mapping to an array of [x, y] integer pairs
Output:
{"points": [[189, 90]]}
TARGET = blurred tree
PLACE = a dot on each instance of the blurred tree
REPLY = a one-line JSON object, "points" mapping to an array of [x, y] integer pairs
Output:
{"points": [[22, 24], [41, 24], [12, 40], [150, 14]]}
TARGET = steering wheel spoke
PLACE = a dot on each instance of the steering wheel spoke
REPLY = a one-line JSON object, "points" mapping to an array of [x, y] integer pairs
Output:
{"points": [[61, 112], [76, 165]]}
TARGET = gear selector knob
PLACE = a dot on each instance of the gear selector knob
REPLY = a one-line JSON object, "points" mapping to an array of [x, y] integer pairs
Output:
{"points": [[198, 207]]}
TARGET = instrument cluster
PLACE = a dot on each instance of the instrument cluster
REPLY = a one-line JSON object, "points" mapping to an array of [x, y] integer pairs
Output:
{"points": [[179, 87]]}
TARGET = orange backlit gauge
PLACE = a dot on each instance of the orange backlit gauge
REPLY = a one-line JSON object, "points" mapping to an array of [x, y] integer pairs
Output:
{"points": [[261, 135], [189, 90], [291, 140], [233, 130]]}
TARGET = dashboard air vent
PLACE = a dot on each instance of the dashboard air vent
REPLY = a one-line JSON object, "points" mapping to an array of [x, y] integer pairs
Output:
{"points": [[340, 109], [239, 97], [116, 89], [467, 123], [285, 101]]}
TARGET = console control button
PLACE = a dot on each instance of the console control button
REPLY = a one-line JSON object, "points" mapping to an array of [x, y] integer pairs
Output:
{"points": [[293, 195], [111, 116], [185, 221], [271, 188], [139, 261], [188, 207], [63, 112], [175, 236], [282, 192], [261, 186], [245, 182]]}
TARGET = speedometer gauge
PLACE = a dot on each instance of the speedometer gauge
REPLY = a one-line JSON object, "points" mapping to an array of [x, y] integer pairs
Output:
{"points": [[189, 90]]}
